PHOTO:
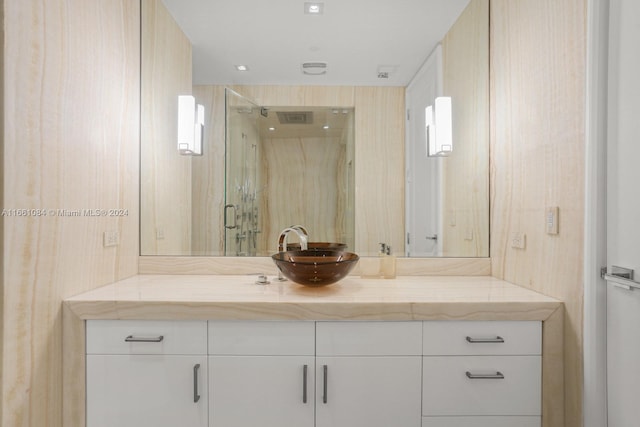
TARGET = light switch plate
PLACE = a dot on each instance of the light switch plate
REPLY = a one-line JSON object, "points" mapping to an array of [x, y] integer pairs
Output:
{"points": [[518, 240], [551, 220], [110, 238]]}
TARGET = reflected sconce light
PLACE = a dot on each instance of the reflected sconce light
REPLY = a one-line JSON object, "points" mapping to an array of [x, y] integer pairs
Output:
{"points": [[190, 126], [438, 128]]}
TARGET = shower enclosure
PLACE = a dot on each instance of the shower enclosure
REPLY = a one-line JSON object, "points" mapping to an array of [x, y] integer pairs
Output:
{"points": [[287, 166], [242, 178]]}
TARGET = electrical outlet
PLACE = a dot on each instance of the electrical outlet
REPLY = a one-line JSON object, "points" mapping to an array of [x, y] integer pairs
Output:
{"points": [[111, 238], [468, 234], [159, 233], [518, 240], [551, 220]]}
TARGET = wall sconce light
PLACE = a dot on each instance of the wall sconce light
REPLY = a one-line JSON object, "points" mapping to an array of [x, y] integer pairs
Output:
{"points": [[190, 126], [439, 128]]}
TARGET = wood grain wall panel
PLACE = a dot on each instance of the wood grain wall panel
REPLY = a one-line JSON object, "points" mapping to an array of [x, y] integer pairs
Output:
{"points": [[379, 168], [71, 116], [165, 174], [538, 109], [302, 177], [208, 171], [465, 53]]}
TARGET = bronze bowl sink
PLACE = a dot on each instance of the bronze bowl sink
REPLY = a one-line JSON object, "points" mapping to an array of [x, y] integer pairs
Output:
{"points": [[317, 245], [315, 267]]}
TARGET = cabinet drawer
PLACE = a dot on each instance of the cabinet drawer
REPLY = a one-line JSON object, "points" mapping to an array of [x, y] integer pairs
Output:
{"points": [[447, 389], [264, 338], [482, 338], [146, 337], [369, 338], [481, 422]]}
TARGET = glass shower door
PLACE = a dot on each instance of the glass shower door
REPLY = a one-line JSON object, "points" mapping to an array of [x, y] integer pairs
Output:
{"points": [[242, 206]]}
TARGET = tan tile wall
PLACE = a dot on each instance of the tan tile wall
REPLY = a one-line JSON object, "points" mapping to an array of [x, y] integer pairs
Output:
{"points": [[537, 144], [70, 136]]}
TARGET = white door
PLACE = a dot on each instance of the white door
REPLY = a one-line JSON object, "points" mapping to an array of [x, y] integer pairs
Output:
{"points": [[623, 214], [368, 391], [146, 391], [265, 391]]}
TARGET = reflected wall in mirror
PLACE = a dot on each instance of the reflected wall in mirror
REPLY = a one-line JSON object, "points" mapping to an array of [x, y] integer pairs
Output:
{"points": [[183, 198]]}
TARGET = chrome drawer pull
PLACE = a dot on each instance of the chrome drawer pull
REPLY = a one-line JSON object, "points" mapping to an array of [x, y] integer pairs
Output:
{"points": [[196, 393], [325, 369], [496, 376], [485, 340], [131, 338], [304, 383]]}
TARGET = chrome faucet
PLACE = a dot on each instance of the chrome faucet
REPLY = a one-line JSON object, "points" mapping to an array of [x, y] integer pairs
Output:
{"points": [[302, 234]]}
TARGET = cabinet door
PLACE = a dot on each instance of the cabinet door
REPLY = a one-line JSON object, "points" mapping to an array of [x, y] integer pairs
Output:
{"points": [[146, 390], [265, 391], [368, 391]]}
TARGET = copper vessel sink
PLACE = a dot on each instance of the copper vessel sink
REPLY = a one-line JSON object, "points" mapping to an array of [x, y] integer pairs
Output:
{"points": [[317, 245], [315, 267]]}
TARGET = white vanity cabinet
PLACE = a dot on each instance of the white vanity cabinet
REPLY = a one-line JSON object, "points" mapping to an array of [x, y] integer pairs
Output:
{"points": [[482, 374], [368, 374], [314, 373], [146, 373], [261, 374]]}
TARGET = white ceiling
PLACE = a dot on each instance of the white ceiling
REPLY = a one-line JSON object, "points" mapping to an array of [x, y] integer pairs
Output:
{"points": [[274, 37]]}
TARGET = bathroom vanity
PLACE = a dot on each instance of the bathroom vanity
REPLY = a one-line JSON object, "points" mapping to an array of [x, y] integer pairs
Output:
{"points": [[224, 351]]}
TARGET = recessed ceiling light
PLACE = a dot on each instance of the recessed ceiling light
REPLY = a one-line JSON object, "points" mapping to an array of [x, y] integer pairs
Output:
{"points": [[242, 68], [325, 127], [313, 8], [272, 128]]}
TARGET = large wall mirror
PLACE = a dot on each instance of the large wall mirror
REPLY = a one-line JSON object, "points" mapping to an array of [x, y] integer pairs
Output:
{"points": [[256, 176]]}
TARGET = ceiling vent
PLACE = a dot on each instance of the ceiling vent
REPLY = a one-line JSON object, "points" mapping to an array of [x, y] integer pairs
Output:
{"points": [[314, 68], [295, 117]]}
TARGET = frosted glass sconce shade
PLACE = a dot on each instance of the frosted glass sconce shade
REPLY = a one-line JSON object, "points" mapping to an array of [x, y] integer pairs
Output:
{"points": [[190, 126], [438, 129]]}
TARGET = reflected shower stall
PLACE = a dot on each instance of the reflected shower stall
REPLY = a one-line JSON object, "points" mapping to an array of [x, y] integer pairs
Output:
{"points": [[287, 166]]}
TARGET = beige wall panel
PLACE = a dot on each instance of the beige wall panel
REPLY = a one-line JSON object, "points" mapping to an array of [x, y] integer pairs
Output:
{"points": [[208, 176], [465, 53], [379, 154], [302, 179], [308, 96], [165, 174], [538, 110], [70, 143], [251, 265]]}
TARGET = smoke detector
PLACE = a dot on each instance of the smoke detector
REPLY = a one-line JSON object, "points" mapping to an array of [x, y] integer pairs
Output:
{"points": [[314, 68]]}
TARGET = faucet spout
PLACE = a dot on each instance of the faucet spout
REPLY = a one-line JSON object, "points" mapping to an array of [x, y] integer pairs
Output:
{"points": [[300, 231]]}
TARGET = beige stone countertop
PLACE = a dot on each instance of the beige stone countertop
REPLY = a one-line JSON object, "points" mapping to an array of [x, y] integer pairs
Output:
{"points": [[239, 297]]}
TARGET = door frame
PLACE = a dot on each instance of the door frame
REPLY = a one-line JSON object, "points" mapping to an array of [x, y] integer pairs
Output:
{"points": [[595, 244]]}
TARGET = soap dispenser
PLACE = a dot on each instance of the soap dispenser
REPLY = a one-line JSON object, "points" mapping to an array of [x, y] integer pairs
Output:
{"points": [[388, 264]]}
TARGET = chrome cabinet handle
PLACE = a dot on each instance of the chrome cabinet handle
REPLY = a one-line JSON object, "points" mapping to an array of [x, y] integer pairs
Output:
{"points": [[304, 383], [485, 340], [131, 338], [324, 387], [196, 394], [496, 376]]}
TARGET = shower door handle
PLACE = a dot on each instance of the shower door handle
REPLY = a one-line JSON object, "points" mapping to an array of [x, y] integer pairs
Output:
{"points": [[235, 216]]}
